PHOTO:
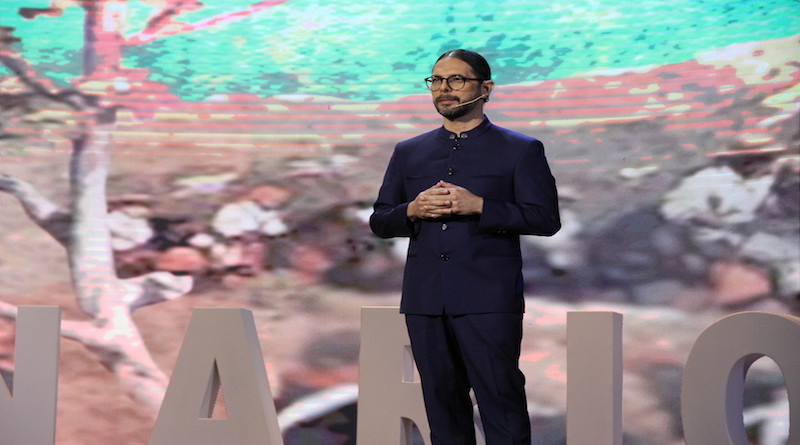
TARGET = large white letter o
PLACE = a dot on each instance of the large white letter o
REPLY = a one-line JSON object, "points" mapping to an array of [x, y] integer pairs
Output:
{"points": [[713, 380]]}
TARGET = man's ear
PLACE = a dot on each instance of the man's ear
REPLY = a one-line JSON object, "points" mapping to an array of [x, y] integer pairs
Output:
{"points": [[488, 86]]}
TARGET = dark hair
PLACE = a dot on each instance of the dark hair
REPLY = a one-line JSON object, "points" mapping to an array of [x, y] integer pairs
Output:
{"points": [[476, 61]]}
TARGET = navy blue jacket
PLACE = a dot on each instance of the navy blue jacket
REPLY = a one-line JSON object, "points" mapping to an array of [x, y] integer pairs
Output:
{"points": [[467, 264]]}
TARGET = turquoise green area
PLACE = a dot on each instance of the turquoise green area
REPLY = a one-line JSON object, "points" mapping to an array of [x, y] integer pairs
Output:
{"points": [[360, 50]]}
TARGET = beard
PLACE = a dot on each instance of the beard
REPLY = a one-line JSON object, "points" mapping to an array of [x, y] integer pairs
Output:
{"points": [[455, 112]]}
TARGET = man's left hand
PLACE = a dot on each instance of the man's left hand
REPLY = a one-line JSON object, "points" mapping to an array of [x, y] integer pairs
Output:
{"points": [[460, 200]]}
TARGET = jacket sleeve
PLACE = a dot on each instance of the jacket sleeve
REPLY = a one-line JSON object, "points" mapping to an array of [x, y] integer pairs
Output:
{"points": [[389, 218], [534, 208]]}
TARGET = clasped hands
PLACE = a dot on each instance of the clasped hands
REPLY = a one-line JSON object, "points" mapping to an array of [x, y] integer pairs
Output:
{"points": [[444, 199]]}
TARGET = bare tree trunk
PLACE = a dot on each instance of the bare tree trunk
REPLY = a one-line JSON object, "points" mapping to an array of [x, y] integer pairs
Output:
{"points": [[90, 255], [110, 334]]}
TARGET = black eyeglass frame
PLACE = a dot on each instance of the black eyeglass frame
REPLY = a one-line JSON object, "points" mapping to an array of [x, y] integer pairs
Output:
{"points": [[430, 80]]}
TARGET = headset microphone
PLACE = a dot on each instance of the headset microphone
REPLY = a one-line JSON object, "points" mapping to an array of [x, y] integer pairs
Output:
{"points": [[482, 96]]}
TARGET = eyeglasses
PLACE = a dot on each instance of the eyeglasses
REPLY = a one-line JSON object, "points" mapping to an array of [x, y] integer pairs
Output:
{"points": [[455, 82]]}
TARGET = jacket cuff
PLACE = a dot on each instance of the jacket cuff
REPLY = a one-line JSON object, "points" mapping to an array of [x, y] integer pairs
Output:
{"points": [[492, 219]]}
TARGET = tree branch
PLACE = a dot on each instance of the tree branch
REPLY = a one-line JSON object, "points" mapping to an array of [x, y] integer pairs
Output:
{"points": [[163, 24], [41, 85], [120, 349], [46, 214]]}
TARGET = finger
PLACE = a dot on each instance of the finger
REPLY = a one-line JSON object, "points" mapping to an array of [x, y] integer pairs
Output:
{"points": [[437, 203], [442, 212], [437, 191]]}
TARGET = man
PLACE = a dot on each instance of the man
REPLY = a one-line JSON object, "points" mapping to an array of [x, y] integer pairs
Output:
{"points": [[464, 193]]}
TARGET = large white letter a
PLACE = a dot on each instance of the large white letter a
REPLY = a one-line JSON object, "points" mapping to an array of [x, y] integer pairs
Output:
{"points": [[220, 348]]}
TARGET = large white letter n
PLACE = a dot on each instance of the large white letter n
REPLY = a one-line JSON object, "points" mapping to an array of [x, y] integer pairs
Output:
{"points": [[28, 409], [221, 348]]}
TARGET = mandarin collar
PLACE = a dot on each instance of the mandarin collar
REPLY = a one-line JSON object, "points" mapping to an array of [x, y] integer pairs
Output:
{"points": [[475, 132]]}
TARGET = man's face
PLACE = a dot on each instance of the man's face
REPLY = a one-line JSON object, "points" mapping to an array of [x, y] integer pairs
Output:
{"points": [[445, 99]]}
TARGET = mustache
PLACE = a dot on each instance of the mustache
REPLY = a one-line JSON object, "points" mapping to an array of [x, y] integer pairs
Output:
{"points": [[445, 97]]}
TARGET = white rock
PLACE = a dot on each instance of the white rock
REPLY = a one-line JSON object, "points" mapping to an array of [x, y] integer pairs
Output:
{"points": [[236, 218], [716, 195], [201, 241], [127, 231], [271, 223]]}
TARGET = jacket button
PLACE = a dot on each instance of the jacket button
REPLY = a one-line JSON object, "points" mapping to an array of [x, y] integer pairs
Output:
{"points": [[450, 171], [444, 226], [445, 257]]}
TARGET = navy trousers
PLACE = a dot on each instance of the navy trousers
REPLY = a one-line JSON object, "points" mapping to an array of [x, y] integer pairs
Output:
{"points": [[454, 353]]}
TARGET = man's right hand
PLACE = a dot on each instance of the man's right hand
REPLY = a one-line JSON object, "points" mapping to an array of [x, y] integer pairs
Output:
{"points": [[434, 202]]}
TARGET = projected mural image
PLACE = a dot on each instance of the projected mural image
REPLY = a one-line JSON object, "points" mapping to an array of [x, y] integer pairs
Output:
{"points": [[161, 156]]}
